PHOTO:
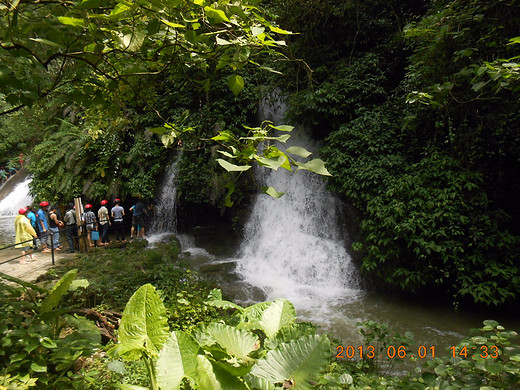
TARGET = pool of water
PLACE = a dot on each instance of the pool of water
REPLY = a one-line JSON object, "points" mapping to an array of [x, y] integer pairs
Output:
{"points": [[337, 310]]}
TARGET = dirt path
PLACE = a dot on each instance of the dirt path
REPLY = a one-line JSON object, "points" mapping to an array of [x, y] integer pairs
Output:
{"points": [[32, 270]]}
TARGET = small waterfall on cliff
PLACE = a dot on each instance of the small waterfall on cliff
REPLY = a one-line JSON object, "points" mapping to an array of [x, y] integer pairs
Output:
{"points": [[293, 246], [17, 199], [165, 218]]}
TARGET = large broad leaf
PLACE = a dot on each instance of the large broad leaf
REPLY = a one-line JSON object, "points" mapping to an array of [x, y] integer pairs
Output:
{"points": [[236, 342], [177, 360], [289, 333], [279, 314], [59, 290], [144, 321], [254, 312], [317, 166], [302, 361], [211, 377]]}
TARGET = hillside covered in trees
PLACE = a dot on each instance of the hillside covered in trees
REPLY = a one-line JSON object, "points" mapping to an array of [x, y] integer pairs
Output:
{"points": [[416, 103]]}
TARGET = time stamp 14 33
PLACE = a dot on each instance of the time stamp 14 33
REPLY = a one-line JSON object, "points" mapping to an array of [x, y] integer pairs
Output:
{"points": [[421, 352]]}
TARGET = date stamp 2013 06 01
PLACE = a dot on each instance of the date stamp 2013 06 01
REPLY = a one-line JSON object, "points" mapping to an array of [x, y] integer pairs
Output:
{"points": [[421, 352]]}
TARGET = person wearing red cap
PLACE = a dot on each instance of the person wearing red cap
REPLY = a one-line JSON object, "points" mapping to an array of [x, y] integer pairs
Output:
{"points": [[117, 215], [104, 222], [42, 221], [24, 235], [89, 220]]}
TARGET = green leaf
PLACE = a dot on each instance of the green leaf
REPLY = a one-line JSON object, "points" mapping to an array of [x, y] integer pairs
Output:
{"points": [[278, 314], [144, 321], [299, 151], [236, 342], [215, 299], [279, 30], [236, 84], [289, 333], [59, 290], [232, 167], [257, 30], [216, 14], [38, 368], [72, 21], [177, 360], [271, 191], [174, 25], [158, 130], [212, 377], [225, 135], [45, 42], [222, 42], [273, 163], [78, 283], [126, 386], [317, 166], [282, 127], [302, 360]]}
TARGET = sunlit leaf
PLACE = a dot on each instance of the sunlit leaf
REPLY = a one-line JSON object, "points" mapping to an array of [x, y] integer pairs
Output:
{"points": [[171, 24], [236, 84], [299, 151], [271, 191], [282, 127], [216, 14], [72, 21], [232, 167], [279, 30], [317, 166]]}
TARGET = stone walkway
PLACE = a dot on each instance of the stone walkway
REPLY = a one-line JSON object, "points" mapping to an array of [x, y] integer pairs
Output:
{"points": [[32, 270]]}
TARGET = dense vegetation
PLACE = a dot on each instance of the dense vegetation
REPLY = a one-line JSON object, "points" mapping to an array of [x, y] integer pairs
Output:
{"points": [[175, 332], [416, 102]]}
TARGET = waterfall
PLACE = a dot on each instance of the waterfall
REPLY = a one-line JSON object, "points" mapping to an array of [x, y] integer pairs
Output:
{"points": [[19, 197], [165, 216], [293, 246]]}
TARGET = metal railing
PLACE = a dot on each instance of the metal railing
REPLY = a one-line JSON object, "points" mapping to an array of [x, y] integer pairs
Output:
{"points": [[50, 236]]}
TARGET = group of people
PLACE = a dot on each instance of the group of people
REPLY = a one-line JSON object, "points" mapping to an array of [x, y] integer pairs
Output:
{"points": [[6, 173], [47, 221], [33, 229]]}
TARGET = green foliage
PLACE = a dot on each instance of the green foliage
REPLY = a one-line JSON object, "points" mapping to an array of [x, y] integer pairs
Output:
{"points": [[112, 285], [492, 361], [430, 155], [230, 355], [101, 167], [102, 46], [41, 342]]}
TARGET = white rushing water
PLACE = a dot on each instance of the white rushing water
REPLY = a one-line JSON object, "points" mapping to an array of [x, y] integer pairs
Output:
{"points": [[165, 215], [16, 199], [294, 247]]}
